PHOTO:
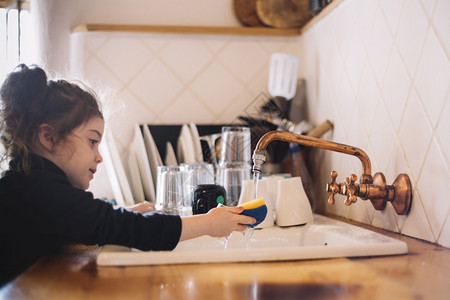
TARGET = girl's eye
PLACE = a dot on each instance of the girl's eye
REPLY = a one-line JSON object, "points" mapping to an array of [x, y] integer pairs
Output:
{"points": [[93, 142]]}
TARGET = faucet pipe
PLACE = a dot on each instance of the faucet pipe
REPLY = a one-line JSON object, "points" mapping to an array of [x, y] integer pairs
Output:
{"points": [[266, 139], [370, 188]]}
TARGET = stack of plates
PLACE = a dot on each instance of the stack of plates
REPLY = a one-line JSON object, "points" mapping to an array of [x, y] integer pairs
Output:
{"points": [[116, 172], [143, 165], [138, 182], [189, 148]]}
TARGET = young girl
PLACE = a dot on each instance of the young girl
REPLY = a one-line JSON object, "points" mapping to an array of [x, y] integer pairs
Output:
{"points": [[51, 131]]}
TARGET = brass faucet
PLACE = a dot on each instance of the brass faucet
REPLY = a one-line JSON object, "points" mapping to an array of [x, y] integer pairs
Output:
{"points": [[370, 188]]}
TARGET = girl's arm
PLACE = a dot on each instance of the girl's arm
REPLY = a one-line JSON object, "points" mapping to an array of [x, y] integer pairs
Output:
{"points": [[218, 222]]}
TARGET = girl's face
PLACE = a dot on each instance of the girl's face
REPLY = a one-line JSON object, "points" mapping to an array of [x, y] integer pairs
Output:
{"points": [[78, 156]]}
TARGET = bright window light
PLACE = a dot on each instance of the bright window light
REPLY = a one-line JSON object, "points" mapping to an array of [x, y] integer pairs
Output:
{"points": [[12, 50]]}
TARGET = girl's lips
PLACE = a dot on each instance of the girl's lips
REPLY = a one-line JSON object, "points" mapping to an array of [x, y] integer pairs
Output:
{"points": [[92, 171]]}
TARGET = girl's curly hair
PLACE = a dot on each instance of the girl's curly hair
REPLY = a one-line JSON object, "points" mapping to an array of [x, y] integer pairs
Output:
{"points": [[29, 99]]}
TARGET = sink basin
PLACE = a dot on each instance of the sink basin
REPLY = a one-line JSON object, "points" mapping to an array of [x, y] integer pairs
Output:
{"points": [[322, 238]]}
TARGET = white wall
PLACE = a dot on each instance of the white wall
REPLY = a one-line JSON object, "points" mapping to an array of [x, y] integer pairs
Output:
{"points": [[380, 71], [55, 18]]}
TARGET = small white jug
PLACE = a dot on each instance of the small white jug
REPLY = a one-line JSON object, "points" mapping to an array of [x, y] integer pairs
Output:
{"points": [[293, 207]]}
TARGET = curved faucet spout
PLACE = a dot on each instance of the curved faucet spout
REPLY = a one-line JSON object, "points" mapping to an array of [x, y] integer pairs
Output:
{"points": [[370, 188], [270, 136]]}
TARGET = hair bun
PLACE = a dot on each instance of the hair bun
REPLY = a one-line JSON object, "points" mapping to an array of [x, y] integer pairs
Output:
{"points": [[25, 86]]}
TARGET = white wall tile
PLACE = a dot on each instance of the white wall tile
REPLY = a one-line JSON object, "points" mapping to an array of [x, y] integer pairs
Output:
{"points": [[396, 87], [98, 73], [415, 134], [355, 59], [411, 33], [157, 85], [443, 129], [416, 224], [429, 6], [433, 76], [112, 52], [364, 16], [217, 86], [392, 11], [432, 187], [186, 57], [368, 97], [244, 58], [380, 46], [441, 22], [444, 237], [382, 138], [386, 219], [185, 108]]}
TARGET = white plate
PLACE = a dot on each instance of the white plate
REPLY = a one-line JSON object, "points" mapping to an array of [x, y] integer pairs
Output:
{"points": [[198, 151], [186, 146], [154, 157], [119, 169], [180, 154], [144, 165], [134, 175], [171, 159], [112, 175]]}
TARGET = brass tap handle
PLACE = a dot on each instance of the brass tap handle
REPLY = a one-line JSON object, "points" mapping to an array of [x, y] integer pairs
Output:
{"points": [[332, 188], [350, 189]]}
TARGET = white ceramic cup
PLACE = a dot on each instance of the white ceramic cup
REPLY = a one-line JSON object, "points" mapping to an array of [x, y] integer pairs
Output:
{"points": [[272, 187], [293, 207], [262, 192]]}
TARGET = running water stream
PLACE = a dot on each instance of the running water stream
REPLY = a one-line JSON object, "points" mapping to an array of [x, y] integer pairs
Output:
{"points": [[248, 232]]}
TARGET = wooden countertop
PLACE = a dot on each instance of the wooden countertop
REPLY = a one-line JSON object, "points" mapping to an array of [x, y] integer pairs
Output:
{"points": [[424, 273]]}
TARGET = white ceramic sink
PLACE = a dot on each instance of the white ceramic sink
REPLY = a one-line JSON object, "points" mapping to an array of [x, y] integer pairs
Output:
{"points": [[322, 238]]}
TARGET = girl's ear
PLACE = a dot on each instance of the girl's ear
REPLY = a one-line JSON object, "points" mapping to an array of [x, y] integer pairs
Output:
{"points": [[46, 137]]}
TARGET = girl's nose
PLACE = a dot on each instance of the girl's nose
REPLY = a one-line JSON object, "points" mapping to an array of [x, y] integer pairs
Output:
{"points": [[98, 158]]}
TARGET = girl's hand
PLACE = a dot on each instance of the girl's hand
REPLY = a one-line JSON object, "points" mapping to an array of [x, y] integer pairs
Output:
{"points": [[224, 220], [143, 207], [218, 222]]}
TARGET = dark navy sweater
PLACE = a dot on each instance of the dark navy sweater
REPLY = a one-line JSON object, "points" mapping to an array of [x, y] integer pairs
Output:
{"points": [[41, 211]]}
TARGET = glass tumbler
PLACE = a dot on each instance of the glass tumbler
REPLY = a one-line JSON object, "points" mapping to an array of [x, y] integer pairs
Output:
{"points": [[169, 190], [231, 177], [235, 145], [193, 175]]}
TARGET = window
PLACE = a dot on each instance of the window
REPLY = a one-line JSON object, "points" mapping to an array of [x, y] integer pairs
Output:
{"points": [[15, 40], [15, 35]]}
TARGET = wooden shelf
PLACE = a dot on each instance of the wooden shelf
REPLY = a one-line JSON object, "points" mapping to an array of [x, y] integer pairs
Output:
{"points": [[173, 29], [186, 29]]}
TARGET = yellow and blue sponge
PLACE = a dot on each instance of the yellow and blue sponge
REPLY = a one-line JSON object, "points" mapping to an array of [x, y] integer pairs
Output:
{"points": [[256, 208]]}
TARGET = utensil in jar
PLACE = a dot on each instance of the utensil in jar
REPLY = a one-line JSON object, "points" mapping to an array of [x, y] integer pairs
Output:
{"points": [[283, 75]]}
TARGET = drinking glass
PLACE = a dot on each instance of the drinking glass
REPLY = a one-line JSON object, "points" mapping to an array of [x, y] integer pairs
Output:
{"points": [[235, 145], [169, 190], [193, 175], [231, 176]]}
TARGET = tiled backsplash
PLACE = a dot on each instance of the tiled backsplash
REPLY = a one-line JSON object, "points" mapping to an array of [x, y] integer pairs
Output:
{"points": [[378, 69], [173, 78]]}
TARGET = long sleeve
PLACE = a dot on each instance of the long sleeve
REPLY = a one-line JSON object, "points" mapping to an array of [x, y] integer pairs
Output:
{"points": [[41, 211]]}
